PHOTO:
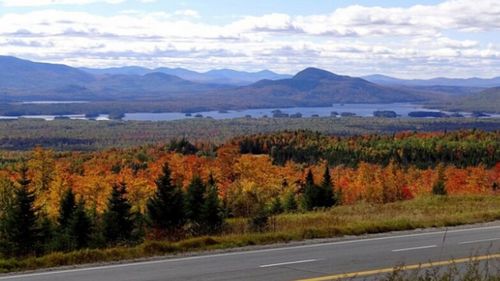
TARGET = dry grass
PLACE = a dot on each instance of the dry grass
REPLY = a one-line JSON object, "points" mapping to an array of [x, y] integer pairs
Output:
{"points": [[367, 218]]}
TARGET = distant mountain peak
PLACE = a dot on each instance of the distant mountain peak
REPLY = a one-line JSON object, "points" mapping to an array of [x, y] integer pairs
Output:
{"points": [[312, 73]]}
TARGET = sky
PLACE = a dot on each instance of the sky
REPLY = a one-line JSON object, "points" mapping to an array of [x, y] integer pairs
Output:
{"points": [[406, 39]]}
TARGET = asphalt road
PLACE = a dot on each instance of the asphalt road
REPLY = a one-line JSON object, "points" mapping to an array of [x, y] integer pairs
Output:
{"points": [[323, 261]]}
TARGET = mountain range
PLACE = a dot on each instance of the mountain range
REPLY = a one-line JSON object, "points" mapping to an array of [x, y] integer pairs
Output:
{"points": [[26, 80], [223, 89], [18, 74], [316, 87], [216, 76]]}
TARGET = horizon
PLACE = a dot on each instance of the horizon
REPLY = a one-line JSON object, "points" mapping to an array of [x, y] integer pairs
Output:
{"points": [[404, 39]]}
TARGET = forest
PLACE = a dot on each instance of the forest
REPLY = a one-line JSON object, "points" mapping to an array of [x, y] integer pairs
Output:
{"points": [[62, 135], [54, 201]]}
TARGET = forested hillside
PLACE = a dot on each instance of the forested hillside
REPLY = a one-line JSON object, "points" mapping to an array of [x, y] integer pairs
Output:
{"points": [[487, 101]]}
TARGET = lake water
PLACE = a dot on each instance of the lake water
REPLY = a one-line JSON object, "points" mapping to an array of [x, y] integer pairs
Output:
{"points": [[363, 110]]}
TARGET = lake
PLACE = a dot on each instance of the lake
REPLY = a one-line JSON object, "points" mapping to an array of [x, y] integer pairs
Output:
{"points": [[362, 110]]}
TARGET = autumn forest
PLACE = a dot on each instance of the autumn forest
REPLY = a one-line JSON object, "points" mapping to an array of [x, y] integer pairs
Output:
{"points": [[62, 201]]}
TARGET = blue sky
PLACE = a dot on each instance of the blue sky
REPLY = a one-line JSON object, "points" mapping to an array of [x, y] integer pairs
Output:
{"points": [[410, 39]]}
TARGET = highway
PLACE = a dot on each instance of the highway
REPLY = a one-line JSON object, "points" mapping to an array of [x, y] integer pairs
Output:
{"points": [[311, 262]]}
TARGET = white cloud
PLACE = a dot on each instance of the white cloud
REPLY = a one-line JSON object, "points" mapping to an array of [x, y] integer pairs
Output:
{"points": [[464, 15], [187, 13], [353, 40], [31, 3]]}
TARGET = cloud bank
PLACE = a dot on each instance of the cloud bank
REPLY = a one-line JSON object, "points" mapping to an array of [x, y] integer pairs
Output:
{"points": [[34, 3], [418, 41]]}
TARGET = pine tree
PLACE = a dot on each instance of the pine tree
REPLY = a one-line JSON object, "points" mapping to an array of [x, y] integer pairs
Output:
{"points": [[80, 226], [66, 209], [23, 234], [165, 209], [96, 239], [195, 199], [327, 196], [311, 194], [290, 203], [212, 216], [117, 219], [47, 234]]}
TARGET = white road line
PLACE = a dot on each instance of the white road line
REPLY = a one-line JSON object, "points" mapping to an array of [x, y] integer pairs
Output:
{"points": [[479, 241], [287, 263], [113, 266], [415, 248]]}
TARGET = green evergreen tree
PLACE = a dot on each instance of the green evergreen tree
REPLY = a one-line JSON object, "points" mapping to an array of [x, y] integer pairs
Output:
{"points": [[80, 226], [66, 209], [327, 196], [47, 242], [195, 199], [290, 203], [212, 215], [165, 210], [23, 233], [312, 194], [96, 239], [117, 220], [259, 222]]}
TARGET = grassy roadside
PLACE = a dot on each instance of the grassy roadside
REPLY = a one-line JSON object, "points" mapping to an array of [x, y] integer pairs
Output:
{"points": [[472, 270], [344, 220]]}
